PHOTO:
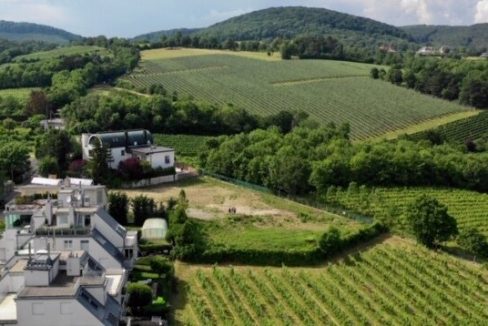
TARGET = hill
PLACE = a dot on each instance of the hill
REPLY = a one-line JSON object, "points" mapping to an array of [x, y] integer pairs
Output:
{"points": [[156, 36], [27, 31], [290, 22], [455, 36], [330, 91]]}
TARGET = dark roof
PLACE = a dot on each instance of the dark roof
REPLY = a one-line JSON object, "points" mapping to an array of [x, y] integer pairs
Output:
{"points": [[126, 138]]}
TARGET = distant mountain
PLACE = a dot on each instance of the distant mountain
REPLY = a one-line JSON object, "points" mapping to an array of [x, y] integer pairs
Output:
{"points": [[156, 36], [295, 21], [14, 31], [475, 36]]}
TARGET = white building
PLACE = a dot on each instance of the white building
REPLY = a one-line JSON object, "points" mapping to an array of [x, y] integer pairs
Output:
{"points": [[64, 261], [127, 144]]}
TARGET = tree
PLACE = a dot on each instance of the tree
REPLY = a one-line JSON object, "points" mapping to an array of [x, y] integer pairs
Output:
{"points": [[330, 241], [9, 124], [140, 295], [429, 221], [14, 159], [142, 208], [48, 165], [131, 168], [98, 165], [118, 206], [38, 103], [162, 266], [473, 242], [374, 73], [56, 144]]}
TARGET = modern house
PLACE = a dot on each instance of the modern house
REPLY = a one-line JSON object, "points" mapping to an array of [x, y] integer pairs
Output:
{"points": [[64, 260], [127, 144], [429, 50]]}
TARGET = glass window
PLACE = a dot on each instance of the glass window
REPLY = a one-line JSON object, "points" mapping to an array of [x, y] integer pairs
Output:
{"points": [[68, 244], [62, 220], [167, 159]]}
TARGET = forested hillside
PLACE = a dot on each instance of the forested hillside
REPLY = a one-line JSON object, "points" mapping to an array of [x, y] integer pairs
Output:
{"points": [[34, 32], [471, 37]]}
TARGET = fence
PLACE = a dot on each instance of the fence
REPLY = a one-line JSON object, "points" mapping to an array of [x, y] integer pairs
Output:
{"points": [[302, 200]]}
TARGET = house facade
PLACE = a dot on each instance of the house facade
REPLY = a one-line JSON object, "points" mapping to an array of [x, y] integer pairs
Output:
{"points": [[64, 260], [127, 144]]}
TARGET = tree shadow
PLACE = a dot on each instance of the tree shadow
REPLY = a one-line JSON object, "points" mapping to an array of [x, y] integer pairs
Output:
{"points": [[178, 300]]}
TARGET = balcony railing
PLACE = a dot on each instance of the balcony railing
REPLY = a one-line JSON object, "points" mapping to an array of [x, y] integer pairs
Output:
{"points": [[73, 231]]}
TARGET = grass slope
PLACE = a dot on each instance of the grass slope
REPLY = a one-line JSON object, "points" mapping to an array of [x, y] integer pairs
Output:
{"points": [[330, 91], [19, 93], [393, 283]]}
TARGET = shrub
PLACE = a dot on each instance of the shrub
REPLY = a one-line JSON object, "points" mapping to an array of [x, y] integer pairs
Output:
{"points": [[140, 295], [473, 242]]}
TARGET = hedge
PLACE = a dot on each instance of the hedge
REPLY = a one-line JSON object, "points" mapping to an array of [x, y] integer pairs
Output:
{"points": [[290, 257]]}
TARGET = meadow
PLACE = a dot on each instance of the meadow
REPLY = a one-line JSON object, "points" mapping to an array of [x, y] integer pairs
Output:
{"points": [[392, 283], [184, 145], [469, 208], [62, 51], [330, 91]]}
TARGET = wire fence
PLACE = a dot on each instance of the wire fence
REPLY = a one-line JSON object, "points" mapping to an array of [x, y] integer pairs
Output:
{"points": [[313, 202]]}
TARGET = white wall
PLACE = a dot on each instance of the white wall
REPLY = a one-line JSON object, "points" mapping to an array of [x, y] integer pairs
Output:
{"points": [[117, 156], [54, 312], [116, 239], [158, 160]]}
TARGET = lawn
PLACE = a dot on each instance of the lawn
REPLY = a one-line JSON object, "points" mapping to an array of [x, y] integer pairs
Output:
{"points": [[19, 93], [392, 283], [330, 91]]}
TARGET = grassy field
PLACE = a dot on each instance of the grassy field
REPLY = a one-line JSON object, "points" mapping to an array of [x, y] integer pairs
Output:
{"points": [[63, 51], [392, 283], [19, 93], [328, 90], [469, 128], [261, 220], [185, 145], [170, 53], [468, 207]]}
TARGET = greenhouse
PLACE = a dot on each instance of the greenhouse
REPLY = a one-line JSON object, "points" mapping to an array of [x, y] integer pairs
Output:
{"points": [[154, 228]]}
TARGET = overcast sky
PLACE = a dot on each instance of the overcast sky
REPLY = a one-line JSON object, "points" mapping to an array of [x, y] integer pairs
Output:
{"points": [[132, 17]]}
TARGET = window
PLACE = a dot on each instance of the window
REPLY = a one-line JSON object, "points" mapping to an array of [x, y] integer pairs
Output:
{"points": [[62, 220], [37, 309], [84, 245], [167, 159], [68, 244], [122, 152], [65, 308], [87, 220]]}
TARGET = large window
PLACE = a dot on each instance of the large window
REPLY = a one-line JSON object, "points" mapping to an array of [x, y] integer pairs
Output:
{"points": [[62, 220], [167, 159], [68, 244]]}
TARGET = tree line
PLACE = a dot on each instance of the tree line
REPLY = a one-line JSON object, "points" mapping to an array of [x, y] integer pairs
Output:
{"points": [[167, 114], [447, 78], [310, 160]]}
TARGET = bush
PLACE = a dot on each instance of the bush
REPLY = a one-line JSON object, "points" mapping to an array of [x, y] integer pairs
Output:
{"points": [[473, 242], [140, 295], [162, 266], [47, 166], [330, 242]]}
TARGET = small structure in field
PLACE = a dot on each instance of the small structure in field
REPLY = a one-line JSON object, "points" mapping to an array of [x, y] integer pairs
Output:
{"points": [[154, 229]]}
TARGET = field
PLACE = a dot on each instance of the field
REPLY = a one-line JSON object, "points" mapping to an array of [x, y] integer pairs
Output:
{"points": [[470, 128], [261, 220], [328, 90], [184, 145], [468, 207], [19, 93], [392, 283], [63, 51]]}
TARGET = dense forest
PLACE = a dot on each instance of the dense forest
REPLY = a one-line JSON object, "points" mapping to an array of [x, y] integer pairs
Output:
{"points": [[34, 32], [307, 160]]}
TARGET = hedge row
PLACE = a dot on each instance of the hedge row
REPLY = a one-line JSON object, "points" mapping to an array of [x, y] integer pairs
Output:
{"points": [[290, 257]]}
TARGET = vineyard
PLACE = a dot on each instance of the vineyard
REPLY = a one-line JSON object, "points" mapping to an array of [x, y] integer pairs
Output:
{"points": [[63, 51], [185, 145], [388, 285], [328, 90], [468, 207], [19, 93], [471, 128]]}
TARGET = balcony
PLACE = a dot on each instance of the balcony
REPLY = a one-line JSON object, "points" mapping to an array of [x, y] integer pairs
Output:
{"points": [[55, 231]]}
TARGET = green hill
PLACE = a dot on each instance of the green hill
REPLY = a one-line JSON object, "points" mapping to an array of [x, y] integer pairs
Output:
{"points": [[474, 36], [156, 36], [330, 91], [34, 32]]}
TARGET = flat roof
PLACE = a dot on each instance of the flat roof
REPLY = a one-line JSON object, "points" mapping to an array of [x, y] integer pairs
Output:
{"points": [[62, 286], [8, 308], [152, 149]]}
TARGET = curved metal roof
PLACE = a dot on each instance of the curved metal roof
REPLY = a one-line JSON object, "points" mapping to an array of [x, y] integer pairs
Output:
{"points": [[130, 138]]}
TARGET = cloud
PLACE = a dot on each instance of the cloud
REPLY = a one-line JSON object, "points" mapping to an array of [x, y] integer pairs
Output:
{"points": [[481, 15], [43, 12]]}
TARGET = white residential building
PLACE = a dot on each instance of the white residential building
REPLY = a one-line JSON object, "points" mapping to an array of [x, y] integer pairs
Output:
{"points": [[127, 144], [64, 261]]}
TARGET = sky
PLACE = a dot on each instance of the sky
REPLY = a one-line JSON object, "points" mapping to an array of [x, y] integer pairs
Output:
{"points": [[127, 18]]}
